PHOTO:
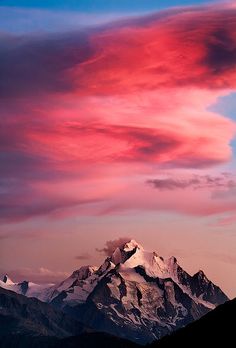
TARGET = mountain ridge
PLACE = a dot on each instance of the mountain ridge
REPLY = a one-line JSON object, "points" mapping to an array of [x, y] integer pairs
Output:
{"points": [[134, 294]]}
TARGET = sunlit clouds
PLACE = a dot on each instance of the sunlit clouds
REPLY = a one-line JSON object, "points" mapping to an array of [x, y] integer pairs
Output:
{"points": [[117, 119]]}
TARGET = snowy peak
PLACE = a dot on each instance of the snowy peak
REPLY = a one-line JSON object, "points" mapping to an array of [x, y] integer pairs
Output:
{"points": [[131, 245], [26, 288], [138, 290], [75, 279], [122, 253], [84, 272], [153, 264], [172, 261], [132, 254], [7, 280], [201, 276]]}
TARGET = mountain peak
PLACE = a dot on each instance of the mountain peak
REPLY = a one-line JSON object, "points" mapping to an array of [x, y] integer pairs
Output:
{"points": [[84, 272], [201, 275], [7, 280], [131, 245], [122, 253], [135, 289]]}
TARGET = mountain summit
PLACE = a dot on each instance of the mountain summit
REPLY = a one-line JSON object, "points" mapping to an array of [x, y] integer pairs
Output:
{"points": [[5, 279], [134, 294]]}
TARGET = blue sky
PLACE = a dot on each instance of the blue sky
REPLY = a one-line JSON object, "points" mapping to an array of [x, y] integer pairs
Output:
{"points": [[227, 106], [101, 5], [24, 16]]}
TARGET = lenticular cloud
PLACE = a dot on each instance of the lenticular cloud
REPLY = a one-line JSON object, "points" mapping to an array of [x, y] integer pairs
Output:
{"points": [[133, 94]]}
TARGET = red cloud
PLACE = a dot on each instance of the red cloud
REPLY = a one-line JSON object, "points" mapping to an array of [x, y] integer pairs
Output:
{"points": [[115, 103], [190, 48]]}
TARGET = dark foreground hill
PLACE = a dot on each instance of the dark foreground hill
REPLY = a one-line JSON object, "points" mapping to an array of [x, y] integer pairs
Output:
{"points": [[24, 316], [92, 340], [216, 328], [84, 340]]}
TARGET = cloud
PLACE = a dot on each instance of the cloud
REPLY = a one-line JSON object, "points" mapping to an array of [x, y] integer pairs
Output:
{"points": [[196, 182], [230, 193], [192, 50], [111, 245], [229, 219], [92, 114], [27, 202], [40, 275], [83, 256], [36, 66]]}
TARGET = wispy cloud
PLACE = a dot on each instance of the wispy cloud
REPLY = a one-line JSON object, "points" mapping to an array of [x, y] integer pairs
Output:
{"points": [[111, 245], [83, 256], [226, 181]]}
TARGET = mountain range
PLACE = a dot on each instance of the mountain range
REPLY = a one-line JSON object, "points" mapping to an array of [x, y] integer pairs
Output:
{"points": [[135, 294]]}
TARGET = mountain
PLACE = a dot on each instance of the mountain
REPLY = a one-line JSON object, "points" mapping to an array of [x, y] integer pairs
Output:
{"points": [[26, 288], [20, 315], [216, 328], [134, 294]]}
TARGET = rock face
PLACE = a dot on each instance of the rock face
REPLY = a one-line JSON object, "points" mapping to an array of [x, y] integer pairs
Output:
{"points": [[135, 294]]}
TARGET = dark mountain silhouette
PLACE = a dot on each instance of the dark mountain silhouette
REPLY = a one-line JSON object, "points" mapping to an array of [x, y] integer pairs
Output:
{"points": [[20, 315], [92, 340], [216, 328]]}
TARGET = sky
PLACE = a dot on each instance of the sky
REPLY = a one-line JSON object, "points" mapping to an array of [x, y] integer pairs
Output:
{"points": [[117, 119]]}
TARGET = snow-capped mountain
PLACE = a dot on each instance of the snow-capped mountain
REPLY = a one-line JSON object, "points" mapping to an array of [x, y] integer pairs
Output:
{"points": [[26, 288], [135, 294]]}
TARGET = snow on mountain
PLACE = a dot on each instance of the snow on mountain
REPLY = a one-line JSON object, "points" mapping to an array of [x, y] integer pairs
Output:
{"points": [[76, 288], [139, 291], [6, 280], [133, 289], [26, 288]]}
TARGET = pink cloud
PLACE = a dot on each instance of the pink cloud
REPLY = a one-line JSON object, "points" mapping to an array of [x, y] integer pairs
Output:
{"points": [[191, 47], [226, 221], [99, 113]]}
